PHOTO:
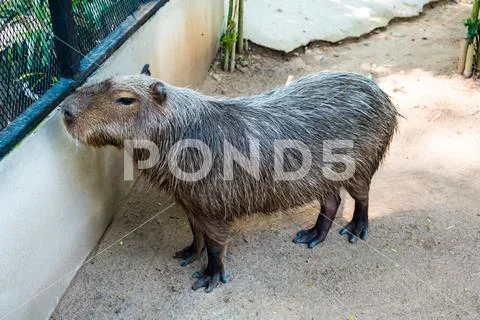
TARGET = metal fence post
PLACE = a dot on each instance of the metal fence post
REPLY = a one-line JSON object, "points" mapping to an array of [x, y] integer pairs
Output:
{"points": [[66, 42]]}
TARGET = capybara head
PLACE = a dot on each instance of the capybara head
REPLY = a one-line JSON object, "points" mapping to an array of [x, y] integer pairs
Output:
{"points": [[115, 110]]}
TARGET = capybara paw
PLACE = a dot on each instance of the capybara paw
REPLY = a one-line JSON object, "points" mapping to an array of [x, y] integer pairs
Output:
{"points": [[355, 230], [310, 236], [209, 282], [188, 255]]}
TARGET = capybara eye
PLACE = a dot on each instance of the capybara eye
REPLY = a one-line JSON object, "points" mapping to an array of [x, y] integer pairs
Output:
{"points": [[125, 101]]}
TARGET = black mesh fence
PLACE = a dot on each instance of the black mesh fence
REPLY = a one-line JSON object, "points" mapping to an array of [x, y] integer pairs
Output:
{"points": [[95, 19], [28, 66], [28, 63]]}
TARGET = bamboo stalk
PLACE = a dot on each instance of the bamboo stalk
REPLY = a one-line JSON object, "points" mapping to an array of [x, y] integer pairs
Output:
{"points": [[462, 56], [475, 10], [234, 43], [230, 11], [226, 59], [469, 61], [478, 55], [467, 71], [232, 58], [241, 4]]}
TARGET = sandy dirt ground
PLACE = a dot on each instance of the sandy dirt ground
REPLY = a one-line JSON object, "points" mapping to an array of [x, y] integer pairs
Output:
{"points": [[422, 259]]}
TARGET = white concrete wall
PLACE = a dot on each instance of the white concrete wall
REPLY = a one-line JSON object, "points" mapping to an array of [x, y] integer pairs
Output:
{"points": [[56, 197]]}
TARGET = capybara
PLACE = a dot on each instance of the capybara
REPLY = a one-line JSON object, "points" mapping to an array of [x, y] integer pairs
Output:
{"points": [[246, 174]]}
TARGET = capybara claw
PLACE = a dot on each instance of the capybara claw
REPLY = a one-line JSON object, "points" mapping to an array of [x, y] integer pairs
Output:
{"points": [[352, 238], [310, 236], [209, 282], [355, 230], [188, 255], [185, 262], [344, 230], [364, 233], [305, 236], [312, 244]]}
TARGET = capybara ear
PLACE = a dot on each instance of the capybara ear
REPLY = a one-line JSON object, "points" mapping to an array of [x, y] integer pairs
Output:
{"points": [[159, 92], [146, 70]]}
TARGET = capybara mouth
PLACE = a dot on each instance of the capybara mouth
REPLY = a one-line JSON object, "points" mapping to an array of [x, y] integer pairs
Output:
{"points": [[70, 127], [69, 120], [90, 137]]}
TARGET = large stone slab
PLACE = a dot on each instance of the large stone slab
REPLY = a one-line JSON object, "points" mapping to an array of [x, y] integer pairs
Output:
{"points": [[288, 24]]}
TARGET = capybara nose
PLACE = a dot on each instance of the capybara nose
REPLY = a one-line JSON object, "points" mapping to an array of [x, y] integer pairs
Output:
{"points": [[68, 114]]}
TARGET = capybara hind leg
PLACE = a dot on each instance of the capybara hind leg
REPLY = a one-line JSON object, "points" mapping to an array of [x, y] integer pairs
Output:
{"points": [[193, 251], [358, 227], [214, 273], [318, 233]]}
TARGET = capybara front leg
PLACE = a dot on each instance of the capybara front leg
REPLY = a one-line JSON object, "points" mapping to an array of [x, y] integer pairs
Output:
{"points": [[319, 232], [193, 251], [358, 227], [214, 273]]}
